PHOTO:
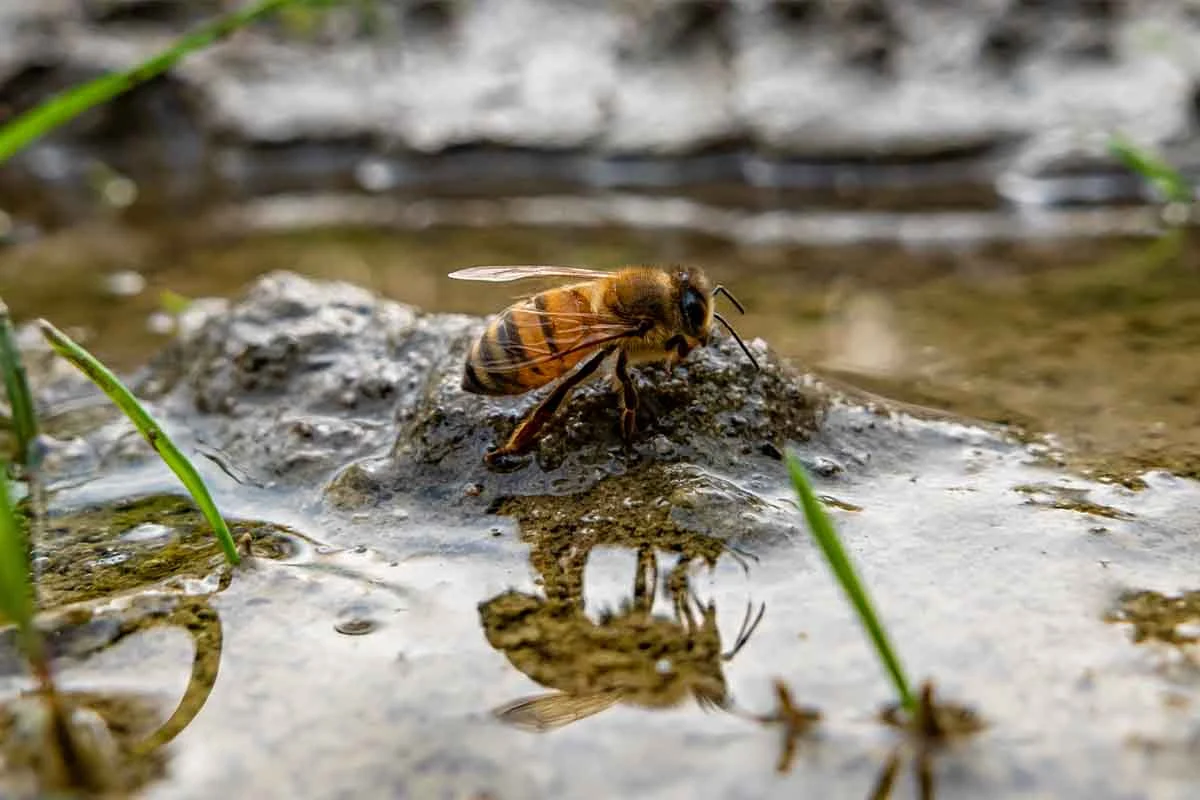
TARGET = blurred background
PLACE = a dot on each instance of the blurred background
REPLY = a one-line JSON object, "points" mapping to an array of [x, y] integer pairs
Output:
{"points": [[917, 198]]}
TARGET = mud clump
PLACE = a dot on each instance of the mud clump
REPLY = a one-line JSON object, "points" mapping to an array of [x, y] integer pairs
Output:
{"points": [[302, 383]]}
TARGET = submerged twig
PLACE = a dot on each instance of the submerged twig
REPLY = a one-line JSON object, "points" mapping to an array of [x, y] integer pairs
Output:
{"points": [[148, 427], [826, 535], [929, 728], [796, 721]]}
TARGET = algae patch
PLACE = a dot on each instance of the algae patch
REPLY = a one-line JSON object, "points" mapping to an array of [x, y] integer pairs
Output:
{"points": [[101, 551], [1159, 617]]}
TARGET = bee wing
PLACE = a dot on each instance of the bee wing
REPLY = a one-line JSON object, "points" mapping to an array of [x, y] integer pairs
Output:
{"points": [[515, 273], [573, 332], [546, 712]]}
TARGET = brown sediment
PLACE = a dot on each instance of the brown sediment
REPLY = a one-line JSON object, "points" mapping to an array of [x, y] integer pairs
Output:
{"points": [[129, 719], [1069, 499]]}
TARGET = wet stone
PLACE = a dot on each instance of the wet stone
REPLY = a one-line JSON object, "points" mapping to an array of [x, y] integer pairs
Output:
{"points": [[148, 533], [356, 626]]}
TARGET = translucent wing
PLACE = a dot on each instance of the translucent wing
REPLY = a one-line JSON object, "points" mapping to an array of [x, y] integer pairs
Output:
{"points": [[515, 273], [546, 712]]}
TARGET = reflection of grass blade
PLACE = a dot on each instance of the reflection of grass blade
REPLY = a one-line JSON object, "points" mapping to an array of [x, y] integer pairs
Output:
{"points": [[1153, 169], [16, 592], [20, 400], [66, 106], [823, 531], [124, 399]]}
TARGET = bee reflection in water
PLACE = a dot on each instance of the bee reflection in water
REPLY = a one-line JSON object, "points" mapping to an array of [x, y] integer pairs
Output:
{"points": [[631, 655]]}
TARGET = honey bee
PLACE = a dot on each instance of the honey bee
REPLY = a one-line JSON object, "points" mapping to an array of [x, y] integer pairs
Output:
{"points": [[639, 314]]}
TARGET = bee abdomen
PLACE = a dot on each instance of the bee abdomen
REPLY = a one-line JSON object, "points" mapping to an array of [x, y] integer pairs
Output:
{"points": [[474, 380], [495, 363]]}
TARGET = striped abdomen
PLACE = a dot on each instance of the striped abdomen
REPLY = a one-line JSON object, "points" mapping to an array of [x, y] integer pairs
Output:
{"points": [[519, 350]]}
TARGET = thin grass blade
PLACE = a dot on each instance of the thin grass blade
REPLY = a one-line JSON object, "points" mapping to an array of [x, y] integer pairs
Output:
{"points": [[16, 589], [827, 538], [1152, 168], [146, 425], [69, 104], [16, 386]]}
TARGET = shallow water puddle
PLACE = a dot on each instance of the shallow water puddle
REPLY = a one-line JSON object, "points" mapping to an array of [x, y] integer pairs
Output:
{"points": [[1001, 601], [404, 640]]}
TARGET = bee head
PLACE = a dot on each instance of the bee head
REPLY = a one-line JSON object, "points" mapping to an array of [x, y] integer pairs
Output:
{"points": [[696, 312], [695, 304]]}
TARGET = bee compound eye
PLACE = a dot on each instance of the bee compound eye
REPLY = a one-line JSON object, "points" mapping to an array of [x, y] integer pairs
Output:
{"points": [[693, 308]]}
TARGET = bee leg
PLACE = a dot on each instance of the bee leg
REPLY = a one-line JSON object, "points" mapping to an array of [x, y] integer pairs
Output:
{"points": [[527, 431], [645, 582], [629, 399]]}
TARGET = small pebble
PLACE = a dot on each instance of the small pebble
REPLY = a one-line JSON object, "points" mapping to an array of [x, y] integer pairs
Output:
{"points": [[356, 626], [125, 283], [826, 467], [147, 532], [374, 175], [161, 323], [120, 192], [111, 560]]}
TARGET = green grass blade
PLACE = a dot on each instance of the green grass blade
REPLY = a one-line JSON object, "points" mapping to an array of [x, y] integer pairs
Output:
{"points": [[1153, 169], [823, 531], [20, 399], [162, 444], [69, 104], [16, 589]]}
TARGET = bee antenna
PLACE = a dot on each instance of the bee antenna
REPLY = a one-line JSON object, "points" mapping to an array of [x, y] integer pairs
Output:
{"points": [[746, 632], [738, 339], [722, 290]]}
